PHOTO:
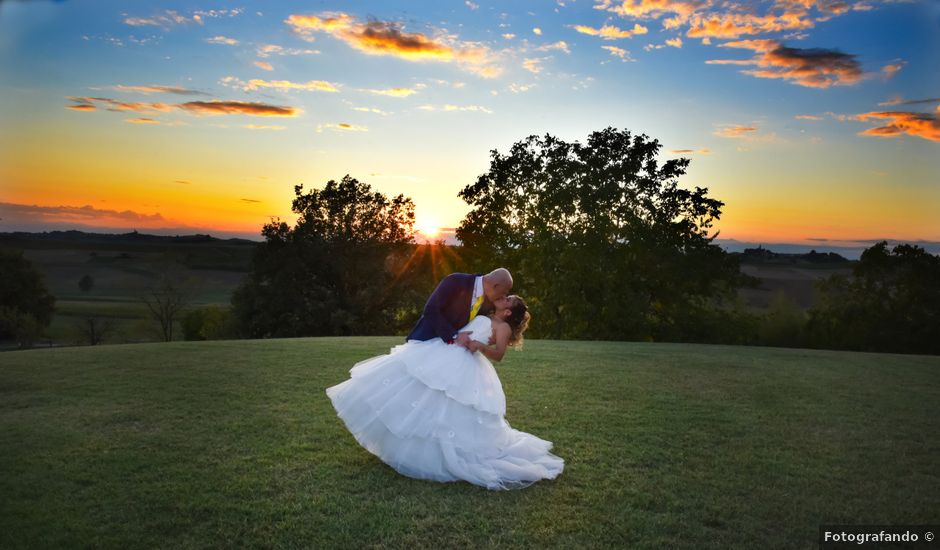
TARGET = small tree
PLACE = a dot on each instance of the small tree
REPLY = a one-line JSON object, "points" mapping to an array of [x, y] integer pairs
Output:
{"points": [[93, 330], [86, 283], [165, 301]]}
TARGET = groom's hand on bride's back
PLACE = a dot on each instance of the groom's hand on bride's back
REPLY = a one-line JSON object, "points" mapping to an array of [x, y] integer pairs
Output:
{"points": [[462, 339]]}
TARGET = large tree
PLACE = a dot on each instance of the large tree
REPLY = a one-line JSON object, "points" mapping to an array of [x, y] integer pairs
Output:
{"points": [[26, 306], [343, 268], [602, 239]]}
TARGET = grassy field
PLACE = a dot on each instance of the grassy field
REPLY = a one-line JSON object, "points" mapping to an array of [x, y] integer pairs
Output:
{"points": [[235, 444]]}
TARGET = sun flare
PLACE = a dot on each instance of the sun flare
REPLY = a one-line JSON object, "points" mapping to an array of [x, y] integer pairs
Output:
{"points": [[428, 227]]}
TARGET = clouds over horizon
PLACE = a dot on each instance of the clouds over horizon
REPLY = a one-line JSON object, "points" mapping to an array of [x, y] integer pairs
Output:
{"points": [[34, 218], [16, 213], [388, 38]]}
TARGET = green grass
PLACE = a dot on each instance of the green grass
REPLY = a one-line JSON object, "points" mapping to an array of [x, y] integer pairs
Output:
{"points": [[235, 444]]}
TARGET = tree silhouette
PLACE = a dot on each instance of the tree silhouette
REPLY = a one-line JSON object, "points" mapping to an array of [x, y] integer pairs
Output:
{"points": [[93, 329], [341, 269], [26, 306], [165, 302], [86, 283], [604, 241]]}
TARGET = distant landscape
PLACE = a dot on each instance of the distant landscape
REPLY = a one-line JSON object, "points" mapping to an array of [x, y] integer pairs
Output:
{"points": [[124, 266]]}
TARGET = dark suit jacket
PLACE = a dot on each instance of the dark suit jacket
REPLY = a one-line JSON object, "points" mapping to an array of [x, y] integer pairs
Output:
{"points": [[448, 308]]}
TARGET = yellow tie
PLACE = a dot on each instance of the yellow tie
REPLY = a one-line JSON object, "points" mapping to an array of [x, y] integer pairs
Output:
{"points": [[476, 307]]}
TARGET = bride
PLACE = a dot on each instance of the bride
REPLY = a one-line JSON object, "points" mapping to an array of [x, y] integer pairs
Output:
{"points": [[435, 411]]}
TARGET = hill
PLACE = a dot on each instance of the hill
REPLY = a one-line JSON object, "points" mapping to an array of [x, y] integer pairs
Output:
{"points": [[234, 443]]}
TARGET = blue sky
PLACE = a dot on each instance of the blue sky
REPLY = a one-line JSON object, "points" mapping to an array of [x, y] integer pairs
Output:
{"points": [[810, 119]]}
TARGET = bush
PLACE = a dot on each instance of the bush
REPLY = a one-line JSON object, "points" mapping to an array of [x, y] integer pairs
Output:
{"points": [[784, 324], [208, 323], [23, 327]]}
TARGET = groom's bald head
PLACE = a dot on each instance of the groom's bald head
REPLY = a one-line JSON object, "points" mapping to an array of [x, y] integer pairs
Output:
{"points": [[497, 283]]}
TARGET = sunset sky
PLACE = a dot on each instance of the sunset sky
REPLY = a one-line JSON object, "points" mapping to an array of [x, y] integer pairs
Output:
{"points": [[813, 120]]}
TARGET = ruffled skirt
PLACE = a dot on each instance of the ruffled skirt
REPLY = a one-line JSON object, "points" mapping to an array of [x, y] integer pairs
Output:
{"points": [[436, 411]]}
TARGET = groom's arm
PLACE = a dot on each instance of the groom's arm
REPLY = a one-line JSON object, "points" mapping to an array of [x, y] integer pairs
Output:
{"points": [[435, 306]]}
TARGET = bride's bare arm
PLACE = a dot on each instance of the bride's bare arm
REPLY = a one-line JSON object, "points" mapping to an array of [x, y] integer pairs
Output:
{"points": [[502, 332]]}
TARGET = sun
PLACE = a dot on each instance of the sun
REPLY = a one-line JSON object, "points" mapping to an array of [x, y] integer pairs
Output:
{"points": [[428, 227]]}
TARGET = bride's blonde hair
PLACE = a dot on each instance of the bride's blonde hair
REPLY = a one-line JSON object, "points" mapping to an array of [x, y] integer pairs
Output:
{"points": [[518, 320]]}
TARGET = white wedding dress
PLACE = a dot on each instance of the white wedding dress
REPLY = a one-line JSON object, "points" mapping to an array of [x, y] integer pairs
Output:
{"points": [[435, 411]]}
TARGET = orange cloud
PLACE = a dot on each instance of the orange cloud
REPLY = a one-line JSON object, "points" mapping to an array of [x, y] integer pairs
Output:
{"points": [[736, 132], [711, 18], [264, 65], [651, 8], [734, 25], [157, 89], [889, 70], [808, 117], [81, 107], [118, 106], [611, 32], [691, 151], [142, 121], [922, 125], [342, 126], [811, 67], [216, 107], [387, 38]]}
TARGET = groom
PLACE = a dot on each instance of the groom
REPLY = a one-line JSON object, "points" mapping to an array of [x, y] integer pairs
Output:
{"points": [[458, 298]]}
